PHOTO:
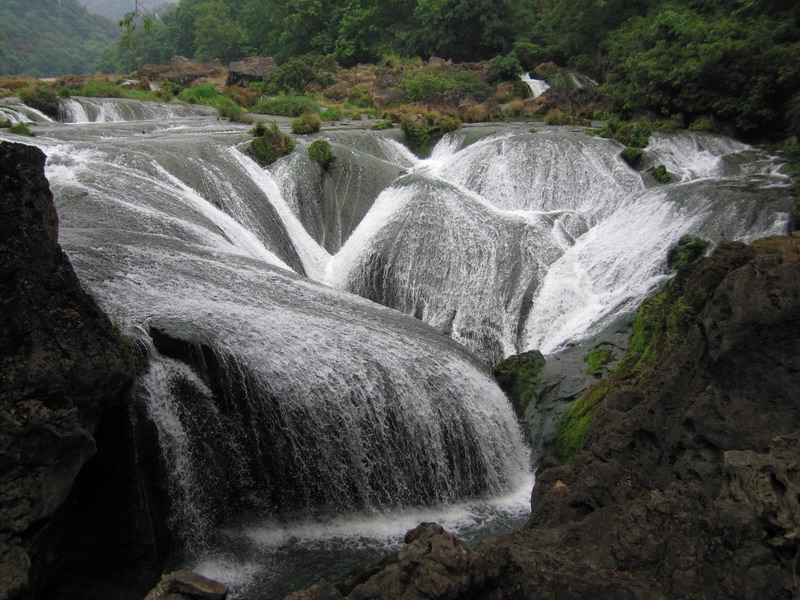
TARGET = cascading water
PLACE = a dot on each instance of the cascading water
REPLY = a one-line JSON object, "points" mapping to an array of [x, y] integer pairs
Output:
{"points": [[536, 87], [295, 417], [112, 110]]}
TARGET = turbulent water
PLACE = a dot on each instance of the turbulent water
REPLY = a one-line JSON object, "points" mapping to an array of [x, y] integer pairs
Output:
{"points": [[303, 397]]}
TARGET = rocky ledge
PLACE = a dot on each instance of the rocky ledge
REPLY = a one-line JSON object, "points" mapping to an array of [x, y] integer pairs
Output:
{"points": [[61, 366], [687, 485]]}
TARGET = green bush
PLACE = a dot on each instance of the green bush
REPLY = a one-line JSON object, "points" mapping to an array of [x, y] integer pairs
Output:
{"points": [[41, 99], [320, 152], [635, 135], [632, 156], [64, 92], [259, 129], [299, 73], [555, 116], [420, 131], [331, 114], [661, 174], [504, 68], [307, 123], [202, 94], [272, 145], [529, 54], [287, 106]]}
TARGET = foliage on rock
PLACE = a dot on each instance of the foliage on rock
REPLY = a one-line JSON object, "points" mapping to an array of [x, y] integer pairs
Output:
{"points": [[307, 123], [271, 145], [320, 152]]}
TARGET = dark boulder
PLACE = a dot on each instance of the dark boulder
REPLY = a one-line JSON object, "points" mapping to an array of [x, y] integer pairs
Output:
{"points": [[62, 365], [181, 70], [250, 70], [185, 585]]}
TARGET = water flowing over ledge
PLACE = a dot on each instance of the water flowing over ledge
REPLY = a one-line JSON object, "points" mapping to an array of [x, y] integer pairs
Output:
{"points": [[275, 389]]}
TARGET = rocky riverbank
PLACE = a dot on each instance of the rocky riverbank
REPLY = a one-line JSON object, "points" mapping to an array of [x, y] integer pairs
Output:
{"points": [[687, 486]]}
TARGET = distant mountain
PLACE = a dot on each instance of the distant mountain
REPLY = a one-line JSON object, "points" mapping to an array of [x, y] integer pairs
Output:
{"points": [[51, 37], [116, 9]]}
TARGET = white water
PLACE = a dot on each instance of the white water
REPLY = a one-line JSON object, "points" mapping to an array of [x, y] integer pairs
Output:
{"points": [[329, 405], [536, 87]]}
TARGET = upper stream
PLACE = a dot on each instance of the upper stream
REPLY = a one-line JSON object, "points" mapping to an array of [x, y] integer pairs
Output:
{"points": [[317, 343]]}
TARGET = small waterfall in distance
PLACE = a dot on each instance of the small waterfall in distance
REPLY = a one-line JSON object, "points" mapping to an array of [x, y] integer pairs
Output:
{"points": [[535, 87], [294, 416]]}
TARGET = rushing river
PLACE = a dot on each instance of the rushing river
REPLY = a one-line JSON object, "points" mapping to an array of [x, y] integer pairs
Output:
{"points": [[318, 343]]}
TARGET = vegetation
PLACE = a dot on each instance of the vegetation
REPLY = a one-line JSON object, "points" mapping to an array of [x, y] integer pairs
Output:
{"points": [[286, 105], [42, 99], [50, 37], [660, 174], [320, 152], [307, 123], [422, 130], [598, 358], [271, 145], [688, 249]]}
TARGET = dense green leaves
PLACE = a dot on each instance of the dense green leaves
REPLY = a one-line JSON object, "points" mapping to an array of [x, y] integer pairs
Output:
{"points": [[738, 70]]}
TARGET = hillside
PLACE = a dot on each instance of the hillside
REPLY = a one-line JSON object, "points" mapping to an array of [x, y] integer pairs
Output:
{"points": [[116, 9], [51, 37]]}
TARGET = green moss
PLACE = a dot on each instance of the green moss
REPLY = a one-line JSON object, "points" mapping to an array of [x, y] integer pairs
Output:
{"points": [[661, 174], [519, 377], [320, 152], [597, 358], [574, 425], [632, 156], [21, 129], [688, 249], [385, 124], [271, 146], [307, 123]]}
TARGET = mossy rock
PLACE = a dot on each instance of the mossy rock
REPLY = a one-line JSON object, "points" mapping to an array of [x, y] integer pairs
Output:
{"points": [[661, 175], [688, 249], [271, 146], [320, 152], [632, 156], [598, 358], [519, 377]]}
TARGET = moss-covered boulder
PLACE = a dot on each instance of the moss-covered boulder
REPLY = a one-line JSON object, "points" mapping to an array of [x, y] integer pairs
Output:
{"points": [[321, 153], [688, 249], [519, 377], [271, 145]]}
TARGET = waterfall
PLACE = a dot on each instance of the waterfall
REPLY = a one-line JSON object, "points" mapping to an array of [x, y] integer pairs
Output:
{"points": [[317, 342], [536, 87], [112, 110]]}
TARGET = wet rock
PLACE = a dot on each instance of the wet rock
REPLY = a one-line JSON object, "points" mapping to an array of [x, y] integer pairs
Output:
{"points": [[181, 70], [61, 366], [687, 486], [185, 585]]}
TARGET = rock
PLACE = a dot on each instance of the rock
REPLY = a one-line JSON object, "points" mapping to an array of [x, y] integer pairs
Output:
{"points": [[250, 70], [62, 365], [182, 71], [687, 486], [185, 585]]}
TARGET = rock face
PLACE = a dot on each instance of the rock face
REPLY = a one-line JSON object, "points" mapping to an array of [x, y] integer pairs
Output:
{"points": [[688, 483], [185, 585], [250, 70], [61, 365]]}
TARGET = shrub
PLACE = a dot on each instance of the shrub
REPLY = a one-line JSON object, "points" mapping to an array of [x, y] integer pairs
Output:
{"points": [[259, 129], [272, 145], [636, 135], [384, 124], [202, 94], [242, 96], [300, 73], [661, 174], [99, 88], [41, 99], [555, 117], [529, 54], [331, 114], [515, 108], [420, 131], [288, 106], [307, 123], [474, 113], [320, 153], [64, 92], [504, 68]]}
